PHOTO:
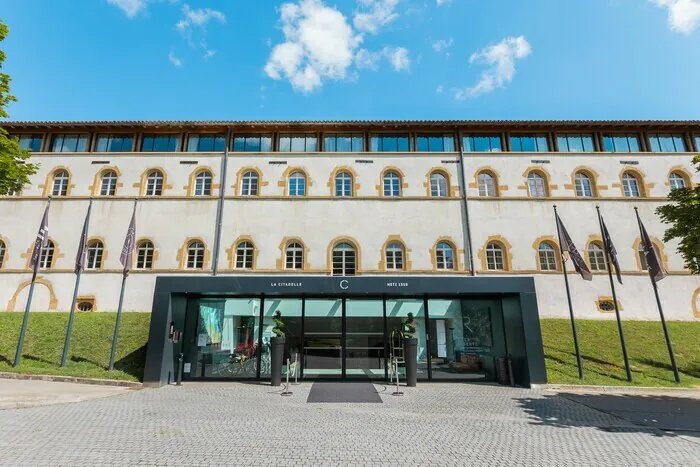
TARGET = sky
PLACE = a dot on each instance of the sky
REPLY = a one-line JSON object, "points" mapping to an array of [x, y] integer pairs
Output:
{"points": [[352, 59]]}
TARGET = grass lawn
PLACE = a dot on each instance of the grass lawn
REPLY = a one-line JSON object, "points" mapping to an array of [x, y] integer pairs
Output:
{"points": [[91, 344], [602, 354]]}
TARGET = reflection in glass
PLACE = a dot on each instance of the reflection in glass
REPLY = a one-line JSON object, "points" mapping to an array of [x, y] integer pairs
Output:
{"points": [[396, 313], [364, 351], [291, 316], [323, 333]]}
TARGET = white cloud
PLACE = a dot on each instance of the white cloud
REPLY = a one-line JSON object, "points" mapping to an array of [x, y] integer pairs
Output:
{"points": [[174, 60], [201, 16], [683, 15], [439, 89], [501, 59], [375, 14], [209, 54], [441, 45], [130, 7], [319, 44], [443, 2], [398, 56], [365, 59]]}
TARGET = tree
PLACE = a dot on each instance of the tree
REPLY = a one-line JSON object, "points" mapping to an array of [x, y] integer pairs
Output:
{"points": [[14, 168], [684, 217]]}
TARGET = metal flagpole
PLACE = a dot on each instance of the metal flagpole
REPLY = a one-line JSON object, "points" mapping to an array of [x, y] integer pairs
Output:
{"points": [[661, 310], [79, 265], [568, 296], [608, 263], [126, 258], [39, 244]]}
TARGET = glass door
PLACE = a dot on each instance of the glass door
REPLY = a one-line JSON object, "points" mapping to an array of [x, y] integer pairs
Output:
{"points": [[365, 352], [323, 338]]}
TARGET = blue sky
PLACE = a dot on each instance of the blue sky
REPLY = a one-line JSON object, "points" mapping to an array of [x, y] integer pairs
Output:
{"points": [[353, 59]]}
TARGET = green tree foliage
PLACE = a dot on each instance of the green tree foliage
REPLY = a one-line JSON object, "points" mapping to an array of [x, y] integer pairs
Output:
{"points": [[684, 217], [14, 168]]}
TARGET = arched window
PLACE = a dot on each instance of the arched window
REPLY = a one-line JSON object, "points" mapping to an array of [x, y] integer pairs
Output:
{"points": [[95, 252], [60, 183], [487, 185], [3, 248], [392, 184], [584, 187], [297, 184], [109, 183], [344, 260], [343, 184], [494, 257], [144, 255], [548, 257], [536, 185], [46, 259], [249, 184], [202, 183], [444, 256], [394, 257], [294, 256], [596, 257], [676, 180], [438, 185], [630, 185], [244, 255], [154, 183], [195, 255]]}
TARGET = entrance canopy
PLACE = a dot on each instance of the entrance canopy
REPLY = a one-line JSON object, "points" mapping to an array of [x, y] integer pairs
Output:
{"points": [[224, 325]]}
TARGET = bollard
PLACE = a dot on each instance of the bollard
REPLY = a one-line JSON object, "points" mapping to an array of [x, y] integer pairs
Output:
{"points": [[296, 369], [178, 376], [396, 366], [287, 392]]}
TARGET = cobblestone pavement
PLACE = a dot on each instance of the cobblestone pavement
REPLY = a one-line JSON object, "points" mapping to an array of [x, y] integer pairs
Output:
{"points": [[249, 424]]}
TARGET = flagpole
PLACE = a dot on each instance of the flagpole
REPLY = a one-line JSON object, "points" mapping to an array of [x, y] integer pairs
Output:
{"points": [[119, 309], [78, 272], [617, 309], [25, 320], [661, 314], [568, 296]]}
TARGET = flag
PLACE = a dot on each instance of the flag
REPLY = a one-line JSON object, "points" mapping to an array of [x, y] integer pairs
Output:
{"points": [[612, 252], [653, 261], [129, 241], [568, 245], [42, 241], [82, 246]]}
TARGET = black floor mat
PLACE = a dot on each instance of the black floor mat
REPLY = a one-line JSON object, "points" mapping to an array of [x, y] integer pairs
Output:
{"points": [[344, 393]]}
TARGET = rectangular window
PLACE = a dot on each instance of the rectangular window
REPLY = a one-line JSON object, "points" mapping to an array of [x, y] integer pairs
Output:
{"points": [[30, 142], [529, 143], [298, 142], [252, 143], [697, 143], [389, 143], [575, 143], [114, 143], [206, 143], [435, 143], [666, 143], [160, 143], [482, 143], [621, 143], [343, 142], [69, 143]]}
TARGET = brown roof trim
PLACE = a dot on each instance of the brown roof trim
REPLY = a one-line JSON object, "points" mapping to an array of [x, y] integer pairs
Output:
{"points": [[369, 125]]}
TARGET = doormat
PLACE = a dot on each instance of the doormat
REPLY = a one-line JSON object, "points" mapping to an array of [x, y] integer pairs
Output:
{"points": [[344, 393]]}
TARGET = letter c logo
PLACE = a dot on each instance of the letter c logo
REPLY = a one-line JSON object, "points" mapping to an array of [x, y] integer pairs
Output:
{"points": [[344, 284]]}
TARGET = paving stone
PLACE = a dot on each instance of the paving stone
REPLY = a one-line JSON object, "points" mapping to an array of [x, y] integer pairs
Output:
{"points": [[248, 424]]}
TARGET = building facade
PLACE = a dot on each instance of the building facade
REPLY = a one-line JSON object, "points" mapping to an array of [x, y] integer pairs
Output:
{"points": [[348, 198]]}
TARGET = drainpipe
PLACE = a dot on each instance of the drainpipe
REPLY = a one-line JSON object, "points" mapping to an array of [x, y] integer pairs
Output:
{"points": [[220, 204], [468, 255]]}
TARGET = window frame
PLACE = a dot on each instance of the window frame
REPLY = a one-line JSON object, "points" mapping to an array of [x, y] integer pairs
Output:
{"points": [[344, 181], [295, 176], [158, 186], [252, 136], [380, 139], [173, 141], [395, 179], [596, 256], [47, 256], [471, 138], [112, 182], [537, 138], [64, 184], [196, 251], [567, 137], [294, 255], [582, 193], [494, 184], [203, 183], [431, 138], [439, 184], [292, 136], [609, 139], [395, 256], [340, 251], [94, 258], [627, 178], [537, 176], [676, 175], [3, 252], [145, 255], [81, 138], [247, 260], [550, 261], [113, 136], [656, 146], [198, 136], [245, 180], [354, 138], [32, 137], [491, 254], [443, 261]]}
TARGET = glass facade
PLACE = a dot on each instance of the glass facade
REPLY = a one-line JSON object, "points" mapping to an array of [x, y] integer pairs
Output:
{"points": [[343, 338], [30, 142], [435, 143], [69, 143], [206, 143], [389, 143], [621, 143], [343, 142], [575, 143], [114, 143], [252, 143], [482, 143], [298, 142], [666, 143], [160, 143], [529, 143]]}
